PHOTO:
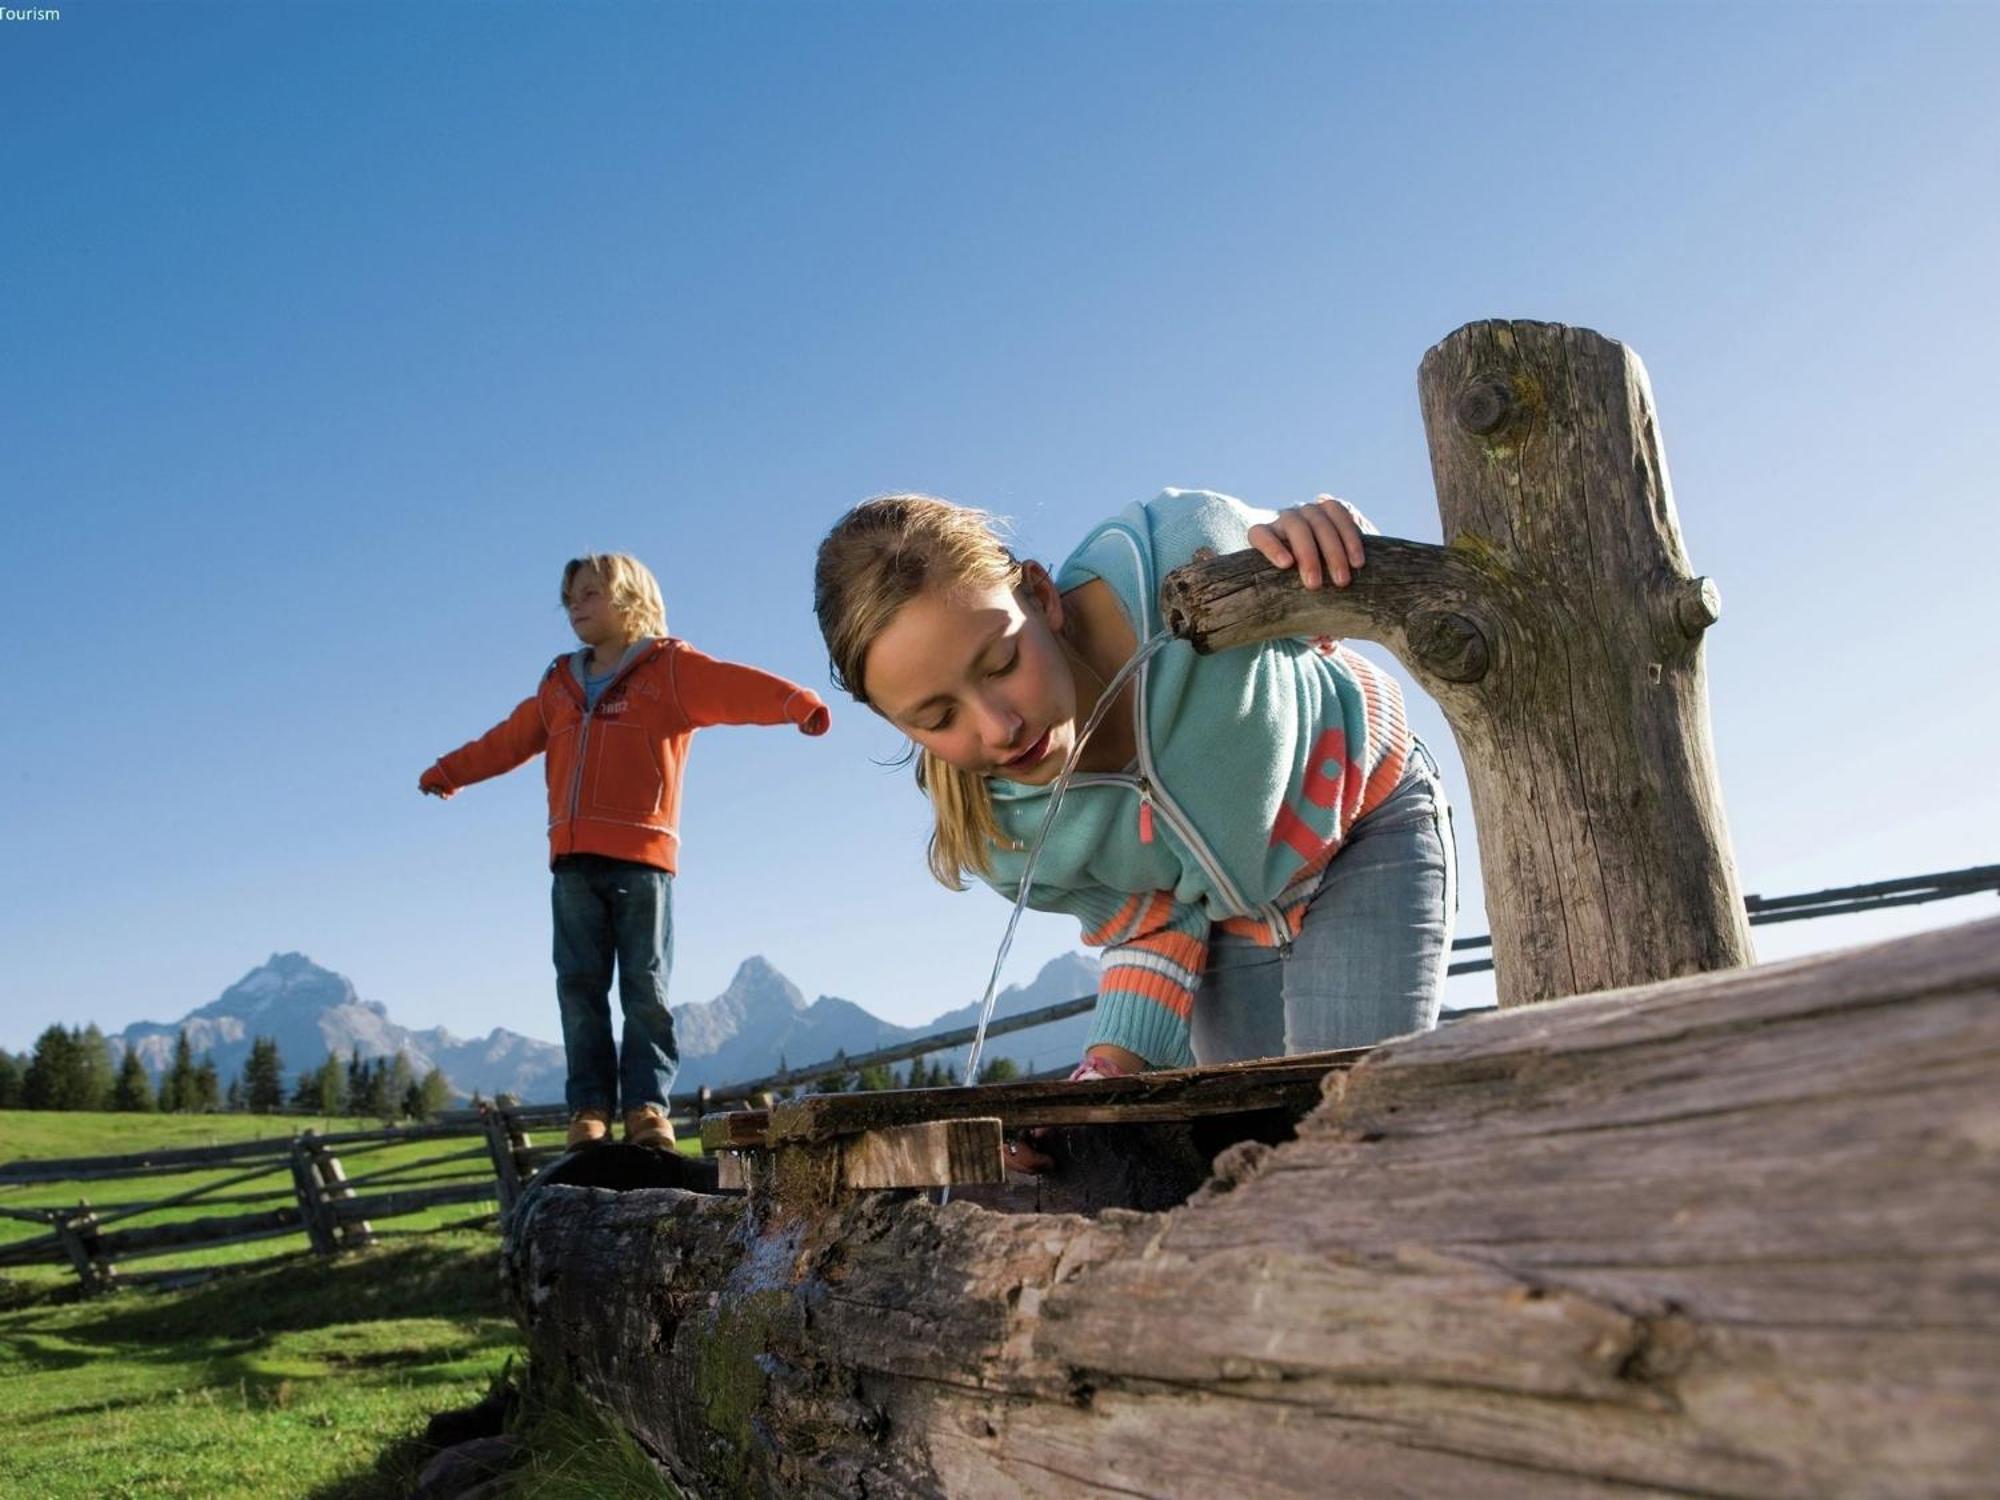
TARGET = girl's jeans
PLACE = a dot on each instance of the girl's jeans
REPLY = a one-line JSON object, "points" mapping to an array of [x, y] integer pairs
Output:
{"points": [[1369, 962], [608, 909]]}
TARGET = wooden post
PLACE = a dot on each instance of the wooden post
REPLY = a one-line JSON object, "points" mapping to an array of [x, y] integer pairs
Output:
{"points": [[78, 1233], [1560, 629], [500, 1141], [354, 1233], [312, 1198]]}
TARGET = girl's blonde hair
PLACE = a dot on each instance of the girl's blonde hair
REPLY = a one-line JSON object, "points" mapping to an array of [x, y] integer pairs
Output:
{"points": [[634, 592], [878, 557]]}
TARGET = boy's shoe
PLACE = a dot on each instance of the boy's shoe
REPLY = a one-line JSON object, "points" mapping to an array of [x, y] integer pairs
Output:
{"points": [[588, 1127], [649, 1126]]}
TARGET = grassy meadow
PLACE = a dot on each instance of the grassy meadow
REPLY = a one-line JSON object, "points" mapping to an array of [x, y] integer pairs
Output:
{"points": [[304, 1378]]}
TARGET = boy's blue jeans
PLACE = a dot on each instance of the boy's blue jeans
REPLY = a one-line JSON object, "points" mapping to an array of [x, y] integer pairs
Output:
{"points": [[1368, 964], [610, 910]]}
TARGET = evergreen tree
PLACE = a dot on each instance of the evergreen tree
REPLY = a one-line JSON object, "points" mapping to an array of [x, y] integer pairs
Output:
{"points": [[177, 1088], [873, 1078], [11, 1069], [999, 1070], [355, 1098], [433, 1094], [57, 1075], [374, 1102], [132, 1093], [207, 1087], [305, 1093], [396, 1092], [263, 1077], [94, 1069], [232, 1098], [329, 1086]]}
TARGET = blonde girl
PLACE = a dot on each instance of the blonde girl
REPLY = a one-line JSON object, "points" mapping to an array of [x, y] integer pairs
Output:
{"points": [[1254, 837]]}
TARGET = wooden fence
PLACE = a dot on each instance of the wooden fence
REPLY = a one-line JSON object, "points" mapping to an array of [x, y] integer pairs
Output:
{"points": [[305, 1186]]}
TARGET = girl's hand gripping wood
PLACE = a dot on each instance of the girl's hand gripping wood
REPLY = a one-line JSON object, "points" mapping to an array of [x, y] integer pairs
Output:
{"points": [[1321, 538]]}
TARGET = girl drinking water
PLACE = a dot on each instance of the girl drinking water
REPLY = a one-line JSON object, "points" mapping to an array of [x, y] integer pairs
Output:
{"points": [[1254, 837]]}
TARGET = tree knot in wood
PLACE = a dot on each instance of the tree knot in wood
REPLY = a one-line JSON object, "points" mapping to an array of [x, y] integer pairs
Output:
{"points": [[1697, 605], [1497, 406], [1662, 1346], [1449, 645]]}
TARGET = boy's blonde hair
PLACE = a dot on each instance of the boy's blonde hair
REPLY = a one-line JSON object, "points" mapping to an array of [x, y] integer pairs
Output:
{"points": [[877, 558], [634, 592]]}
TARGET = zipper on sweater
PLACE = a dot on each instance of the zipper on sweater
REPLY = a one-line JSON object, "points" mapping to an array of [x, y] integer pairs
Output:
{"points": [[1152, 793]]}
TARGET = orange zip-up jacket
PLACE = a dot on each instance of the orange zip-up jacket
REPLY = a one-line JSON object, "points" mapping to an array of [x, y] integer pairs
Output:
{"points": [[614, 772]]}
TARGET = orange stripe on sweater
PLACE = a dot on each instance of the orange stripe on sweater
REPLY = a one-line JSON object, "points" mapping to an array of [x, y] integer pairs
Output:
{"points": [[1144, 984]]}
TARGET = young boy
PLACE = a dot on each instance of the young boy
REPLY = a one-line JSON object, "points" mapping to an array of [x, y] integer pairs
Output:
{"points": [[614, 721]]}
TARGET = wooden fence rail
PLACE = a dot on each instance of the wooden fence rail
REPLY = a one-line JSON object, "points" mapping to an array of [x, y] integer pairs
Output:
{"points": [[330, 1209]]}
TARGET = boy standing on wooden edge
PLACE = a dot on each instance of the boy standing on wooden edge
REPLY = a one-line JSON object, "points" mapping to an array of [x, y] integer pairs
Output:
{"points": [[613, 721]]}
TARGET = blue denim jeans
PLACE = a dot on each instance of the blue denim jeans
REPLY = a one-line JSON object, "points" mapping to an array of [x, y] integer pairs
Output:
{"points": [[610, 910], [1369, 962]]}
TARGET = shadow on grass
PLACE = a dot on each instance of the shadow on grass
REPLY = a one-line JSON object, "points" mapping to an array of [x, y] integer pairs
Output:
{"points": [[402, 1281]]}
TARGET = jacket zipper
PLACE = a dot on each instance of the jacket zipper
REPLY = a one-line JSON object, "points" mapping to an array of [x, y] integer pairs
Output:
{"points": [[583, 737]]}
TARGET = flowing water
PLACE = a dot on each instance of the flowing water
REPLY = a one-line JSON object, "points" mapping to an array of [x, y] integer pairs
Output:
{"points": [[1061, 785], [1056, 790]]}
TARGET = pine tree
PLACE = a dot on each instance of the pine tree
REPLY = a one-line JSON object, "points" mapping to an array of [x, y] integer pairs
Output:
{"points": [[356, 1096], [232, 1099], [132, 1093], [999, 1070], [207, 1086], [402, 1079], [329, 1083], [374, 1101], [433, 1094], [11, 1068], [305, 1093], [94, 1069], [177, 1088], [263, 1077], [57, 1076]]}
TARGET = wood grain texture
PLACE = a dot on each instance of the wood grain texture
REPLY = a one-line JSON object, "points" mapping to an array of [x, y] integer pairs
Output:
{"points": [[937, 1153], [1560, 630], [1732, 1235]]}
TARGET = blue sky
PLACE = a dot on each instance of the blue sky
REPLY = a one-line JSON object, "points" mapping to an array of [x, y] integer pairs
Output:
{"points": [[333, 329]]}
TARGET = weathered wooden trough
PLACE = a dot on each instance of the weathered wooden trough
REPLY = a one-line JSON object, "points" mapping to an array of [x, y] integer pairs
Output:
{"points": [[1731, 1233]]}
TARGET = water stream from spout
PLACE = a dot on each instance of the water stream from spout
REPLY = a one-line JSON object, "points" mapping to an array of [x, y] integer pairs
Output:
{"points": [[1057, 789]]}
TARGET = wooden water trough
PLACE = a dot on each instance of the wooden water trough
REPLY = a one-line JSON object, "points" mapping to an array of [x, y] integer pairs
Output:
{"points": [[1730, 1233]]}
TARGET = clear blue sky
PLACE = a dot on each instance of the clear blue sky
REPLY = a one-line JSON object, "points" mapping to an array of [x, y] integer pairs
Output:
{"points": [[331, 330]]}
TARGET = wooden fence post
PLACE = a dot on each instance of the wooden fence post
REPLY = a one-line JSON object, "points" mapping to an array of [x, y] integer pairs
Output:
{"points": [[78, 1233], [509, 1145], [1560, 629], [354, 1233], [312, 1201]]}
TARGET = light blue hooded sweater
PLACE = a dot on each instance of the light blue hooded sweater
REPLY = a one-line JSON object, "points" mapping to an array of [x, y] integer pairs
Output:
{"points": [[1253, 764]]}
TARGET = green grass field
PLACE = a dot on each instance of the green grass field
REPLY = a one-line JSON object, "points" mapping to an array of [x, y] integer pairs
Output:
{"points": [[308, 1378], [41, 1135]]}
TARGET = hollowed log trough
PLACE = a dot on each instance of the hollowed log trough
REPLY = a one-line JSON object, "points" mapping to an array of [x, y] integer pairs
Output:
{"points": [[1735, 1234]]}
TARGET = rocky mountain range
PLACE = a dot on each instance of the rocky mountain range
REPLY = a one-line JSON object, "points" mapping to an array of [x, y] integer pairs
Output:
{"points": [[760, 1023]]}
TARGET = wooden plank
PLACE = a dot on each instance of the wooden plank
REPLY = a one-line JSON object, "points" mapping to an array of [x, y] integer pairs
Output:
{"points": [[937, 1153], [1175, 1094], [729, 1172], [190, 1234], [735, 1129], [138, 1164], [349, 1211], [143, 1252]]}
